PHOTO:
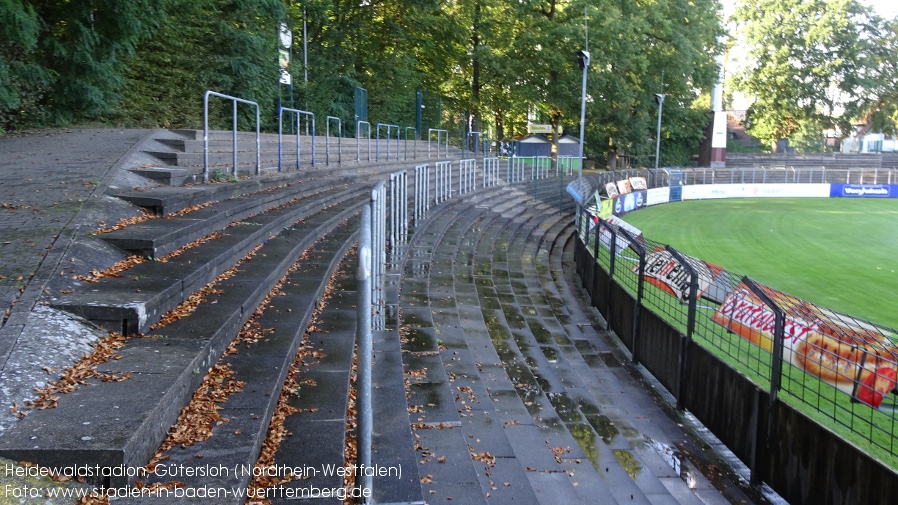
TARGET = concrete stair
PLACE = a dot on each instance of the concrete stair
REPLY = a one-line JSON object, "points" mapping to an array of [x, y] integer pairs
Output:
{"points": [[182, 159], [489, 385]]}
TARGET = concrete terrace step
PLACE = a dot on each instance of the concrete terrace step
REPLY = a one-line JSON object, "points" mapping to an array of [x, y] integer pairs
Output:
{"points": [[163, 201], [123, 423], [158, 237], [520, 379], [189, 151], [143, 294], [442, 396], [321, 388], [554, 379]]}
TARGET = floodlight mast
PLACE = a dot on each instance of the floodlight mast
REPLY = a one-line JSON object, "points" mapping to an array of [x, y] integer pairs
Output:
{"points": [[659, 98], [583, 60]]}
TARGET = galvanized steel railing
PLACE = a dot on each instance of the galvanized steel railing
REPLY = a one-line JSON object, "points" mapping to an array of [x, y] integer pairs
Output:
{"points": [[467, 176], [541, 166], [490, 172], [565, 165], [515, 170], [389, 127], [443, 181], [380, 250], [478, 137], [414, 144], [327, 144], [398, 208], [358, 145], [440, 134], [298, 114], [365, 342], [234, 100], [422, 192]]}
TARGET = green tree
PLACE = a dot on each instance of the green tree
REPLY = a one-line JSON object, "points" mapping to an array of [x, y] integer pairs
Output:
{"points": [[659, 47], [806, 64], [22, 80], [226, 46], [878, 104], [64, 58]]}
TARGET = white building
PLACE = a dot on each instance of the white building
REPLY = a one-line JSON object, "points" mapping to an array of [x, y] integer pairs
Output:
{"points": [[864, 142]]}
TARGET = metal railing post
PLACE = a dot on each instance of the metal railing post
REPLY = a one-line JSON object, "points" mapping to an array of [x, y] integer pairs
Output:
{"points": [[467, 176], [776, 370], [612, 255], [379, 255], [443, 180], [398, 208], [365, 347], [440, 133]]}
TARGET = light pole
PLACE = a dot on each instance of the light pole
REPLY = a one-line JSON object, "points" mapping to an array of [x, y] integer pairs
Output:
{"points": [[583, 60], [659, 97]]}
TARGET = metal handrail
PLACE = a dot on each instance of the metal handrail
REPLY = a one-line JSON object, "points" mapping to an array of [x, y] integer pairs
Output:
{"points": [[377, 142], [415, 152], [476, 142], [358, 128], [440, 133], [234, 100], [298, 115], [327, 144]]}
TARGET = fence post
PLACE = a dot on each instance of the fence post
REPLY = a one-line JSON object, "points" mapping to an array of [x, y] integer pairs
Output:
{"points": [[612, 256], [640, 290], [365, 346], [690, 324], [598, 230], [776, 370]]}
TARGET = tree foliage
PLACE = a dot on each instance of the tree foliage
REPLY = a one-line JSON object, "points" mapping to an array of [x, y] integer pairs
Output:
{"points": [[483, 65], [64, 58], [810, 66], [878, 104]]}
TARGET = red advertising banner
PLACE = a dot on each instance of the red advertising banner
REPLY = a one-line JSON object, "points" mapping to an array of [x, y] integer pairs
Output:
{"points": [[664, 271], [857, 358]]}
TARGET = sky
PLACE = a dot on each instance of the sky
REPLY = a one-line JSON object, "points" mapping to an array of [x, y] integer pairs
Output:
{"points": [[885, 8]]}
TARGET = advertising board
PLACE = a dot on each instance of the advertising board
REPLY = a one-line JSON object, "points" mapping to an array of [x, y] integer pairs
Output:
{"points": [[665, 272], [864, 190], [629, 202], [657, 196], [857, 358], [710, 191]]}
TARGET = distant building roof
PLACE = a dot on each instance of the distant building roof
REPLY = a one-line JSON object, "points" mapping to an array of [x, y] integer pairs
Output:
{"points": [[534, 139]]}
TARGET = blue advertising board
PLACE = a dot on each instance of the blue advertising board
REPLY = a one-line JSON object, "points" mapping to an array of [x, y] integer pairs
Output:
{"points": [[864, 190], [629, 202]]}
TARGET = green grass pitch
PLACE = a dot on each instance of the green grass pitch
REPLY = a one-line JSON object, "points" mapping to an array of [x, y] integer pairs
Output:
{"points": [[840, 253]]}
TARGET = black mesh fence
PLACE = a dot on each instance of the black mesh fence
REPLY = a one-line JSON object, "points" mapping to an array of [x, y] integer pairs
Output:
{"points": [[837, 369]]}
